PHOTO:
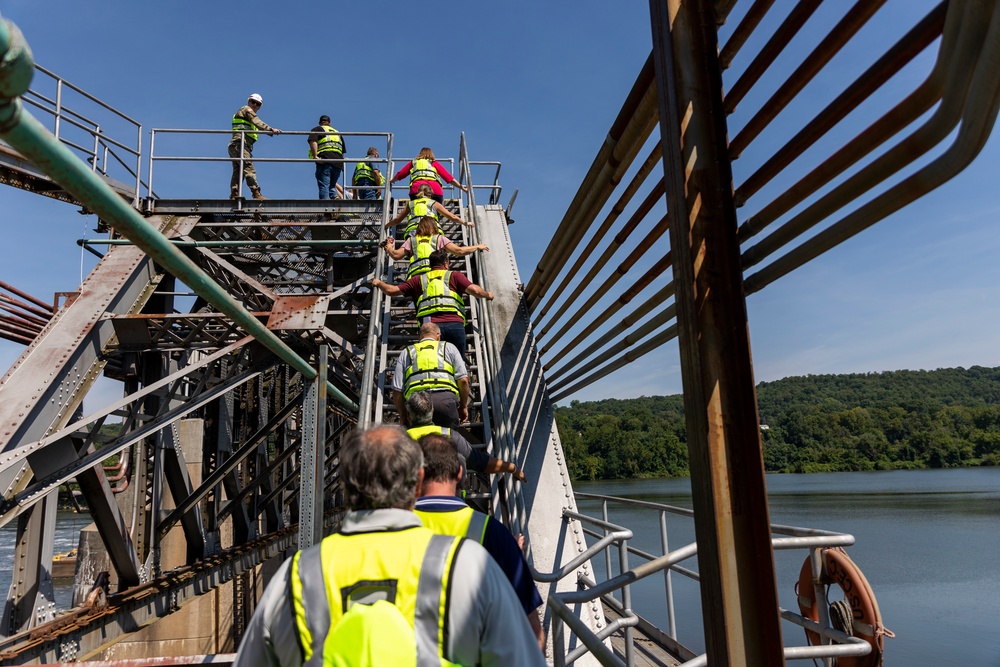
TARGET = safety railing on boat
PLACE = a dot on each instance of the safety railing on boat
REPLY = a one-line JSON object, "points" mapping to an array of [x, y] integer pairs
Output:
{"points": [[610, 536], [89, 127], [213, 154]]}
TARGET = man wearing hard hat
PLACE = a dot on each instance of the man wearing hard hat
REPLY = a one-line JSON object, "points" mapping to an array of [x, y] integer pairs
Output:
{"points": [[245, 126]]}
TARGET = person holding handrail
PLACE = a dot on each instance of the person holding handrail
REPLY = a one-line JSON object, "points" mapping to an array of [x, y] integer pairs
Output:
{"points": [[327, 148], [245, 126], [419, 245], [426, 169], [421, 206]]}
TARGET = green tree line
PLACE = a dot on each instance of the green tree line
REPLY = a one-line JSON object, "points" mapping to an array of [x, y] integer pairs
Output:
{"points": [[817, 423]]}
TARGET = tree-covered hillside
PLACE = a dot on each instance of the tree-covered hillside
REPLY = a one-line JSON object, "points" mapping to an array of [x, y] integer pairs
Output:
{"points": [[818, 423]]}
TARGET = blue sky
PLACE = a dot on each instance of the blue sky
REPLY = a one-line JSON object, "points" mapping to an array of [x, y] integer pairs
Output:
{"points": [[535, 86]]}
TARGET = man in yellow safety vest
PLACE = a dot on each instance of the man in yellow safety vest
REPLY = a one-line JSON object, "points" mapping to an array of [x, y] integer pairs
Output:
{"points": [[245, 127], [384, 590], [441, 510]]}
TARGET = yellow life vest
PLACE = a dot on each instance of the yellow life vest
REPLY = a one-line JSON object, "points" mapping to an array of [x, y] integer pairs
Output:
{"points": [[417, 432], [328, 143], [464, 522], [421, 248], [364, 174], [423, 170], [244, 124], [428, 370], [420, 207], [437, 296], [410, 569]]}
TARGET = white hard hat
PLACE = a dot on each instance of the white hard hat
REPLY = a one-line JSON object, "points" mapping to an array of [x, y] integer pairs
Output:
{"points": [[256, 98]]}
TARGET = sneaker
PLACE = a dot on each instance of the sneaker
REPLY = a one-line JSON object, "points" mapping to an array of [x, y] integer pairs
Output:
{"points": [[259, 196]]}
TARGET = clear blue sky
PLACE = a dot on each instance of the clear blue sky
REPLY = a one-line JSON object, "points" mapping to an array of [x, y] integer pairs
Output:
{"points": [[536, 86]]}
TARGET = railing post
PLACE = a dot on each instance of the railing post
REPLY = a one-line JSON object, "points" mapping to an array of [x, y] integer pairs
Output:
{"points": [[667, 583], [149, 174], [626, 604], [607, 550]]}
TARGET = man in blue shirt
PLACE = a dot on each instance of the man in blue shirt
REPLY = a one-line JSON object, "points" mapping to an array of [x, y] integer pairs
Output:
{"points": [[441, 510]]}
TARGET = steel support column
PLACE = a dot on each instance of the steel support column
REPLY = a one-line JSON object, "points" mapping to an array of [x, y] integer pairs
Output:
{"points": [[312, 458], [739, 596]]}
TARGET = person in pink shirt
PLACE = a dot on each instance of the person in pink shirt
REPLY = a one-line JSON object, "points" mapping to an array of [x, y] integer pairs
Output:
{"points": [[425, 169]]}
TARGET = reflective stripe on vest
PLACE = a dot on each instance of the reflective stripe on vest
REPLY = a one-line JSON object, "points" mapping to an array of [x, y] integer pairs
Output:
{"points": [[437, 297], [410, 568], [464, 522], [364, 175], [417, 432], [422, 170], [428, 370], [243, 124], [329, 143], [420, 207], [421, 248]]}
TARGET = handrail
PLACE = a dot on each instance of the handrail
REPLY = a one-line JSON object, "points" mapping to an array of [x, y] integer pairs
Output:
{"points": [[501, 431], [216, 156], [63, 114], [785, 537]]}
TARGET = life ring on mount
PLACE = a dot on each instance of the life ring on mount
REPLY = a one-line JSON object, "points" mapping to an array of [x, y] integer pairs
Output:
{"points": [[839, 569]]}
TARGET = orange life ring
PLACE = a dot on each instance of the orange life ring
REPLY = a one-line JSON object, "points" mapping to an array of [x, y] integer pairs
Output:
{"points": [[839, 569]]}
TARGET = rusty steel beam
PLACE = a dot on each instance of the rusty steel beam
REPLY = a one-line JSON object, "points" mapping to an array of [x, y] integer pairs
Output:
{"points": [[756, 13], [604, 287], [666, 315], [570, 295], [625, 298], [738, 591], [855, 19], [27, 297], [977, 122], [902, 52], [770, 52], [630, 130], [628, 357], [657, 299], [624, 200], [961, 62]]}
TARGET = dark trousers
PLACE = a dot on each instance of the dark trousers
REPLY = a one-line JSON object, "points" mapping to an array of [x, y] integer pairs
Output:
{"points": [[454, 333], [445, 408]]}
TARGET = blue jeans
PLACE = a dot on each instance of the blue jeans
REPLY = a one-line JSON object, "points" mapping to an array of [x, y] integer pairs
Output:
{"points": [[327, 175], [369, 194], [454, 333]]}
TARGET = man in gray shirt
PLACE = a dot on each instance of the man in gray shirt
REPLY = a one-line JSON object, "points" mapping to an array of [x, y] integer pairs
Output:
{"points": [[369, 562]]}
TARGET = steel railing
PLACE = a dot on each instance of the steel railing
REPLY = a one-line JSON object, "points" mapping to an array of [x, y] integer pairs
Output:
{"points": [[215, 155], [75, 122], [610, 536]]}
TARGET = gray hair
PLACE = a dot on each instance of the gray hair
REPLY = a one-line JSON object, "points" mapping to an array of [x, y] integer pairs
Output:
{"points": [[380, 467], [420, 408]]}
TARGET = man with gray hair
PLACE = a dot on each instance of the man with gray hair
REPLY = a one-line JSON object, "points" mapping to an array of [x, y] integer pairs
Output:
{"points": [[390, 578], [420, 410]]}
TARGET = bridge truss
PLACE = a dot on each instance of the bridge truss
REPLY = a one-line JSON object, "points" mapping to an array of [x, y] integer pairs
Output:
{"points": [[232, 411]]}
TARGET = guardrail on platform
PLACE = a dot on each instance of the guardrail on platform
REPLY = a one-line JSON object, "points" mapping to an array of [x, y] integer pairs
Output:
{"points": [[89, 127]]}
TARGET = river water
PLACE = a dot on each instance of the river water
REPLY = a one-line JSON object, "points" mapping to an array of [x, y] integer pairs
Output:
{"points": [[928, 542]]}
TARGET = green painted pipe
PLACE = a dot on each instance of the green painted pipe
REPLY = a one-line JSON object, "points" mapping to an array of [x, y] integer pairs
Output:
{"points": [[25, 134], [312, 243]]}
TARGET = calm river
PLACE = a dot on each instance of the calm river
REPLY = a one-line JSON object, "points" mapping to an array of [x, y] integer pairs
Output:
{"points": [[928, 542]]}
